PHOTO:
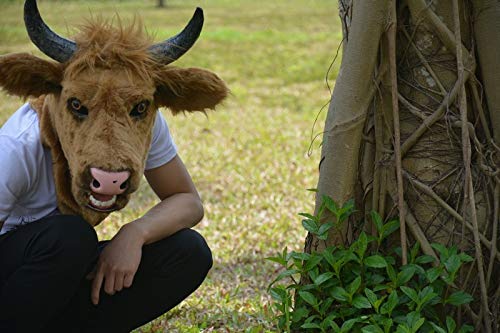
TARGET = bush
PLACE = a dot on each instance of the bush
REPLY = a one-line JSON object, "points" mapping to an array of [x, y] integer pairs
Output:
{"points": [[362, 288]]}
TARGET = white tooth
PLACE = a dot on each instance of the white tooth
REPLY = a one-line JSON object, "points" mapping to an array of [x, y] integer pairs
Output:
{"points": [[102, 204]]}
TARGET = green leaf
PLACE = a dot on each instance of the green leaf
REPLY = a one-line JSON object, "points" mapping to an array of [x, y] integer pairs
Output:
{"points": [[411, 293], [313, 273], [388, 324], [378, 302], [391, 303], [337, 266], [350, 256], [361, 302], [339, 294], [441, 249], [418, 269], [433, 273], [375, 261], [325, 306], [414, 321], [334, 327], [403, 328], [278, 260], [323, 278], [346, 210], [466, 329], [391, 273], [354, 286], [425, 259], [381, 287], [453, 263], [373, 279], [372, 297], [417, 325], [309, 216], [308, 297], [299, 314], [310, 325], [284, 274], [310, 225], [390, 260], [300, 255], [377, 221], [323, 230], [389, 228], [450, 324], [330, 204], [279, 294], [325, 227], [327, 323], [437, 328], [465, 257], [312, 262], [405, 275], [426, 295], [348, 324], [372, 329], [360, 245], [414, 251], [329, 257], [458, 298]]}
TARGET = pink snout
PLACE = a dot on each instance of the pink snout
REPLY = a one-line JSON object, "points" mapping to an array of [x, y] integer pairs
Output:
{"points": [[108, 183]]}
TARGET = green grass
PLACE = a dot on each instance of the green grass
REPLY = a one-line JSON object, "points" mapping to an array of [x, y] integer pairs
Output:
{"points": [[249, 159]]}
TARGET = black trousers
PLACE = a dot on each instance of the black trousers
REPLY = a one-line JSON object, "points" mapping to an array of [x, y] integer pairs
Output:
{"points": [[43, 287]]}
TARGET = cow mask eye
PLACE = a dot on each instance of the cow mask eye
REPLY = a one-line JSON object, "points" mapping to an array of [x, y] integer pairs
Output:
{"points": [[140, 109], [76, 107]]}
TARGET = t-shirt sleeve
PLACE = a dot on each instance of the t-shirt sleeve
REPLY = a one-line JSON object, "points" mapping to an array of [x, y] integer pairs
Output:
{"points": [[163, 148], [14, 175]]}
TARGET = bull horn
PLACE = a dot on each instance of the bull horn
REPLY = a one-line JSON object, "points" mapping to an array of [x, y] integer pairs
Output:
{"points": [[47, 41], [173, 48]]}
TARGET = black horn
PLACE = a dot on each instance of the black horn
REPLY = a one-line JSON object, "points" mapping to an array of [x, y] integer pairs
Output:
{"points": [[50, 43], [173, 48]]}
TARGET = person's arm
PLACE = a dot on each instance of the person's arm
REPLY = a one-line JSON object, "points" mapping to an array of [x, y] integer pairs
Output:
{"points": [[180, 207]]}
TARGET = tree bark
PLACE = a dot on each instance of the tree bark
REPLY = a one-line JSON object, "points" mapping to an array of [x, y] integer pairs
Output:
{"points": [[349, 106], [487, 35], [449, 196]]}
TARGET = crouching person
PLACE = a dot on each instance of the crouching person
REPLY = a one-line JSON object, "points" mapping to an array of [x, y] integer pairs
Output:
{"points": [[76, 153], [44, 265]]}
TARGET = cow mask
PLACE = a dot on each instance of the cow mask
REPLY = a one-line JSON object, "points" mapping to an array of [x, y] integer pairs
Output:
{"points": [[97, 103]]}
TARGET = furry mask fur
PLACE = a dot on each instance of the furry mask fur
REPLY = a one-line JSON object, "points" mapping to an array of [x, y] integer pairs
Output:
{"points": [[111, 75]]}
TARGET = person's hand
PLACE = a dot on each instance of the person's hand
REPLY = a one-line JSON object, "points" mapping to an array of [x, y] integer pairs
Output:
{"points": [[117, 263]]}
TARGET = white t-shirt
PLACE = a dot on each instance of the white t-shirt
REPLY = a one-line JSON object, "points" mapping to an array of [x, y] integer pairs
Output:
{"points": [[27, 189]]}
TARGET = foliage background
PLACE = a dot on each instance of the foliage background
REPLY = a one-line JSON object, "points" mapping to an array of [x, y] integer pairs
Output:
{"points": [[249, 159]]}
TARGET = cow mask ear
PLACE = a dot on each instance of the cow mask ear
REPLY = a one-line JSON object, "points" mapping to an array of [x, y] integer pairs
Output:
{"points": [[25, 75], [190, 89]]}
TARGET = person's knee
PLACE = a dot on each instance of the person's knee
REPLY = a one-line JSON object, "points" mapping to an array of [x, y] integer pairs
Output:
{"points": [[194, 246], [74, 230], [70, 238], [186, 247]]}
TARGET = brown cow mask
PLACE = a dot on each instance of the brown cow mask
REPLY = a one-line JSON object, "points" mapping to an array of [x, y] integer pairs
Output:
{"points": [[97, 103]]}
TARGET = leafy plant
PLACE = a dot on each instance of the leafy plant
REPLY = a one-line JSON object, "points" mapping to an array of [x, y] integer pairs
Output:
{"points": [[361, 287]]}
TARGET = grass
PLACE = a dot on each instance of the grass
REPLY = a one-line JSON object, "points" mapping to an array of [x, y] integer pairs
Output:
{"points": [[249, 159]]}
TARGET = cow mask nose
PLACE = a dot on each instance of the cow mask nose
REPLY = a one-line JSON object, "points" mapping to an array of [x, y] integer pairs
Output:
{"points": [[108, 183]]}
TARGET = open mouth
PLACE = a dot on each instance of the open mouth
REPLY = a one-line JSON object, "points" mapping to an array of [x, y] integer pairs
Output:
{"points": [[101, 202]]}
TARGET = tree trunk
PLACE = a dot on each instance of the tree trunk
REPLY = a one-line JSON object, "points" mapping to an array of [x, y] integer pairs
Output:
{"points": [[161, 3], [445, 107]]}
